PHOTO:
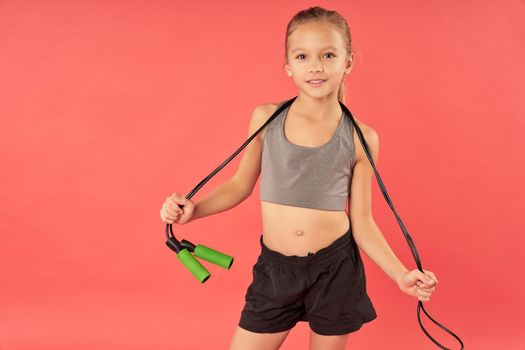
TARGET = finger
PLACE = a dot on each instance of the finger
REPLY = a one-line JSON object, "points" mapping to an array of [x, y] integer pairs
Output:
{"points": [[425, 286], [171, 211], [171, 219], [165, 219], [431, 274], [176, 198], [180, 199], [421, 293], [174, 206], [431, 289], [423, 299], [170, 214], [424, 278]]}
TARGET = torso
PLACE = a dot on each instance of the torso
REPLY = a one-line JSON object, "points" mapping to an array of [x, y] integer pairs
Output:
{"points": [[296, 231], [293, 230]]}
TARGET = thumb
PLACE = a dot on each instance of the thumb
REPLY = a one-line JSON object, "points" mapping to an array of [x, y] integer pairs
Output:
{"points": [[179, 199], [423, 277]]}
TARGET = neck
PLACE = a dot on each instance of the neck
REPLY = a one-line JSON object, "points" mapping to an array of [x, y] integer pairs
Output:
{"points": [[319, 109]]}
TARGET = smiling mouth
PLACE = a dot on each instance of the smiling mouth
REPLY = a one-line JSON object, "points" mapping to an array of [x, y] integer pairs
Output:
{"points": [[316, 82]]}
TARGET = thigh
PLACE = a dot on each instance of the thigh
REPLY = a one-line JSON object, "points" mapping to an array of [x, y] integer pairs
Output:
{"points": [[245, 340], [327, 342]]}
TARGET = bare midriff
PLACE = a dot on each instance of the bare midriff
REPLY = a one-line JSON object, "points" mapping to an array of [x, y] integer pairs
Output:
{"points": [[292, 230]]}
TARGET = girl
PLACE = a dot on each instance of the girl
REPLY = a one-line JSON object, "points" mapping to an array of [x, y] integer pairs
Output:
{"points": [[310, 268]]}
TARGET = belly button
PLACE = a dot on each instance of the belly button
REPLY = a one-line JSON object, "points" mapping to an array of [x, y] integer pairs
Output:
{"points": [[299, 233]]}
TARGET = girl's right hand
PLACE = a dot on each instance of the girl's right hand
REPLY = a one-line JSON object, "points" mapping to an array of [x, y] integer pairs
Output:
{"points": [[171, 212]]}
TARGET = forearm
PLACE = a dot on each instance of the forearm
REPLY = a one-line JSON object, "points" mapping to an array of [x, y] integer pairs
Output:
{"points": [[224, 197], [370, 239]]}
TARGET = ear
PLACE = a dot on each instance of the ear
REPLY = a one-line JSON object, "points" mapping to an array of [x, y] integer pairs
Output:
{"points": [[349, 64], [288, 70]]}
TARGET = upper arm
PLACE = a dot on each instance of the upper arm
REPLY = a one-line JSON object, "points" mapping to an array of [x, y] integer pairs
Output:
{"points": [[361, 185], [250, 165]]}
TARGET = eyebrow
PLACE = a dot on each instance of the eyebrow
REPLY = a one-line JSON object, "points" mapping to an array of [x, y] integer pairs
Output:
{"points": [[301, 49]]}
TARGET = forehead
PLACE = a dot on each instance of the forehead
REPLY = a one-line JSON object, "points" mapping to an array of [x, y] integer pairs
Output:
{"points": [[315, 36]]}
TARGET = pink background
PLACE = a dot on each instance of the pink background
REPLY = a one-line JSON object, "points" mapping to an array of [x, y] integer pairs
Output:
{"points": [[108, 107]]}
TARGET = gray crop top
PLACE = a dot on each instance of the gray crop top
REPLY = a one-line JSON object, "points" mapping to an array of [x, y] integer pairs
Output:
{"points": [[310, 177]]}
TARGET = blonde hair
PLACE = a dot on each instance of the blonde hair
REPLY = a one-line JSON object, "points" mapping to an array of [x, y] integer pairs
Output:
{"points": [[318, 13]]}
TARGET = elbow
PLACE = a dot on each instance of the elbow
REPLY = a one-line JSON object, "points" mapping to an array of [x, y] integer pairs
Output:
{"points": [[247, 193]]}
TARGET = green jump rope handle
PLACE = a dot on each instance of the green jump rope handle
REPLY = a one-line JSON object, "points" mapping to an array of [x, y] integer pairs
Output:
{"points": [[194, 265], [213, 256]]}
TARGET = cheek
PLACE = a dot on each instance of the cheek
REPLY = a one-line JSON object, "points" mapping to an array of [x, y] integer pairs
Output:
{"points": [[337, 74], [339, 68]]}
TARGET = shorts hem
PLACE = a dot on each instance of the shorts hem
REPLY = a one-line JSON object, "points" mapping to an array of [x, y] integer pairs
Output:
{"points": [[342, 330], [258, 329]]}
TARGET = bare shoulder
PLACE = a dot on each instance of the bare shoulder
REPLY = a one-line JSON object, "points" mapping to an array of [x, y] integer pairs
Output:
{"points": [[371, 138], [250, 165], [261, 114]]}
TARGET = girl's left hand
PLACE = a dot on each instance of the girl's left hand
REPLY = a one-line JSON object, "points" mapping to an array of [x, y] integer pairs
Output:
{"points": [[418, 284]]}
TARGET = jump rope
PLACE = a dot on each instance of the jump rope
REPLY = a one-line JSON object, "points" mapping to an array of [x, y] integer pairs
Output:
{"points": [[184, 248]]}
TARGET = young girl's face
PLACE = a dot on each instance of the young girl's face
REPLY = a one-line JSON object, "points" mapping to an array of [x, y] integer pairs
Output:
{"points": [[316, 50]]}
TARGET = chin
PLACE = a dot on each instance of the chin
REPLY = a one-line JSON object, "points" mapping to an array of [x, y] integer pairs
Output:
{"points": [[319, 93]]}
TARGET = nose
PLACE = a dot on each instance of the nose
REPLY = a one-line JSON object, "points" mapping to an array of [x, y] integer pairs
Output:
{"points": [[316, 66]]}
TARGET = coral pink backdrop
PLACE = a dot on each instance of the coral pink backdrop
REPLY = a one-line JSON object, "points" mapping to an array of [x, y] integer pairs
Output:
{"points": [[108, 107]]}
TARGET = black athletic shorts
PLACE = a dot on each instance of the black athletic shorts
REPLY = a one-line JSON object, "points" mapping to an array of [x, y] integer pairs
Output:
{"points": [[327, 289]]}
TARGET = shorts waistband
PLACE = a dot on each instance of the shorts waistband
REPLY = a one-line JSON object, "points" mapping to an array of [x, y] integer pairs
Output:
{"points": [[320, 255]]}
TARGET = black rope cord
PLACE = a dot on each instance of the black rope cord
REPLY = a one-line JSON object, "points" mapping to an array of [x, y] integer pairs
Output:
{"points": [[411, 244]]}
